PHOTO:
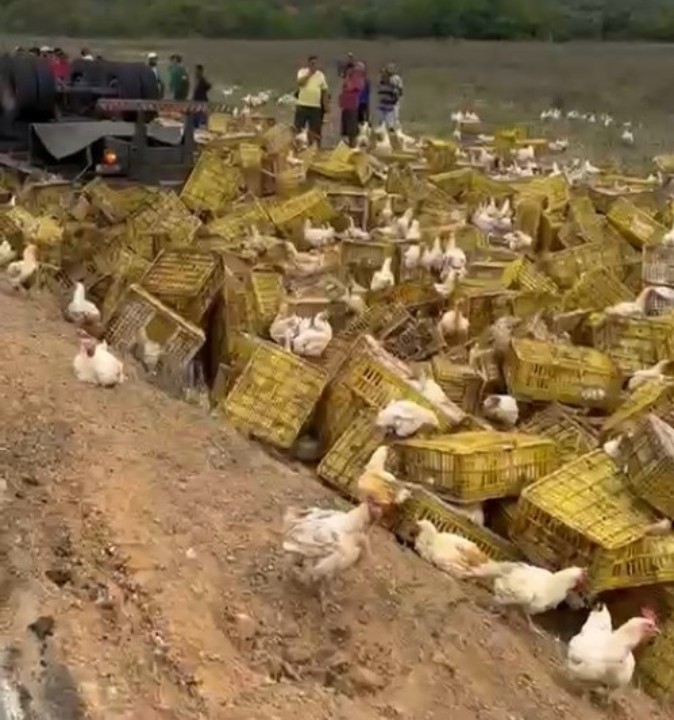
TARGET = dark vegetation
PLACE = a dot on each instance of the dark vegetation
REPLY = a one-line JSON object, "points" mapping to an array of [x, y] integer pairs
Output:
{"points": [[555, 20]]}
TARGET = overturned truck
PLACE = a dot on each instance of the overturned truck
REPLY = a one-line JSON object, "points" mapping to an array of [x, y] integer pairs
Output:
{"points": [[100, 121]]}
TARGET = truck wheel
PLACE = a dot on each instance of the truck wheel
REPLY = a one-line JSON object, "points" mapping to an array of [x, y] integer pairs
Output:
{"points": [[46, 90], [126, 77], [23, 82]]}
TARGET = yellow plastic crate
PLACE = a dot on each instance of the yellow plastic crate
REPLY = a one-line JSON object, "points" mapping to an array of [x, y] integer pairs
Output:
{"points": [[275, 395], [554, 190], [596, 289], [378, 378], [424, 505], [540, 371], [180, 340], [587, 221], [583, 508], [312, 204], [346, 459], [265, 291], [186, 280], [523, 275], [633, 343], [477, 466], [565, 428], [417, 340], [649, 561], [656, 663], [168, 213], [502, 517], [647, 452], [635, 224], [658, 264], [378, 320], [566, 266], [337, 410], [655, 397], [528, 211], [212, 184], [461, 383]]}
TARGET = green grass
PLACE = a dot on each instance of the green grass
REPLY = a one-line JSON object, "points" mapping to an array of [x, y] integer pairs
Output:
{"points": [[504, 82]]}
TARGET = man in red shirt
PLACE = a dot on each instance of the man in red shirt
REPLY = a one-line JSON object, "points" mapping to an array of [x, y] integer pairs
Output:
{"points": [[60, 65], [349, 98]]}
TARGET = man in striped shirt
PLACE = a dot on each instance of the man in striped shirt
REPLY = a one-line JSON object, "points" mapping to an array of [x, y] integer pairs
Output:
{"points": [[390, 94]]}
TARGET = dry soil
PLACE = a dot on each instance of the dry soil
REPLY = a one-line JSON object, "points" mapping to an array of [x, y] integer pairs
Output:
{"points": [[140, 575]]}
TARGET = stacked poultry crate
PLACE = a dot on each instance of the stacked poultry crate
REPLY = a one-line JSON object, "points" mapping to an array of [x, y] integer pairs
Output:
{"points": [[284, 274]]}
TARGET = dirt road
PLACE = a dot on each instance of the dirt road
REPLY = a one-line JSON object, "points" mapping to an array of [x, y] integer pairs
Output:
{"points": [[140, 576]]}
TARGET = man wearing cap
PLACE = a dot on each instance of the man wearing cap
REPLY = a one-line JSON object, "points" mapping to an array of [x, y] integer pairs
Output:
{"points": [[152, 61]]}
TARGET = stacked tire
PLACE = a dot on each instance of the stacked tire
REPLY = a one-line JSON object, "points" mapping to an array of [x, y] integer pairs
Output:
{"points": [[28, 89]]}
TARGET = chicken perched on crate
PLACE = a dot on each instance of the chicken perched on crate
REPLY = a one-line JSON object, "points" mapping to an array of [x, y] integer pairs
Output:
{"points": [[322, 544], [384, 277], [310, 340], [304, 264], [656, 372], [533, 589], [21, 273], [404, 418], [601, 657], [318, 237], [283, 324], [451, 553]]}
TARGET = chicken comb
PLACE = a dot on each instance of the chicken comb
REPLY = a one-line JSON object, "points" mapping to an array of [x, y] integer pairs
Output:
{"points": [[649, 614]]}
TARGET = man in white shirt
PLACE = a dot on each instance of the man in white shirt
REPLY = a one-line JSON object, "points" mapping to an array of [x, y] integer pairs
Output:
{"points": [[152, 61], [312, 98]]}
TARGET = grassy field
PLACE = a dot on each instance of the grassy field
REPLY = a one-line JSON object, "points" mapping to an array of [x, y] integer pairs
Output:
{"points": [[504, 82]]}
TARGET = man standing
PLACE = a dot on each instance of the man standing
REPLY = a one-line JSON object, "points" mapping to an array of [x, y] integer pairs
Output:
{"points": [[178, 79], [153, 61], [312, 99], [201, 89], [390, 94]]}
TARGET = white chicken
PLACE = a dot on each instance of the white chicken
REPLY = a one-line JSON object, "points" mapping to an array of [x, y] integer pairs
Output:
{"points": [[474, 512], [432, 258], [282, 323], [311, 341], [634, 309], [304, 263], [447, 287], [453, 256], [413, 233], [80, 308], [108, 370], [641, 377], [404, 418], [148, 352], [324, 543], [407, 142], [382, 143], [383, 278], [411, 257], [429, 388], [318, 236], [403, 223], [612, 447], [525, 154], [387, 211], [451, 553], [354, 301], [454, 325], [534, 590], [627, 137], [600, 656], [7, 253], [21, 272], [83, 365], [302, 139], [518, 241], [363, 138], [355, 233], [502, 409]]}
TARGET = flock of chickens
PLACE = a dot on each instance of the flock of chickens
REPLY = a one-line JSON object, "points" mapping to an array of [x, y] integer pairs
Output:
{"points": [[321, 544]]}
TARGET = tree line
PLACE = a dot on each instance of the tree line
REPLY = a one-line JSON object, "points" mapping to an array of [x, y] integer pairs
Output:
{"points": [[551, 20]]}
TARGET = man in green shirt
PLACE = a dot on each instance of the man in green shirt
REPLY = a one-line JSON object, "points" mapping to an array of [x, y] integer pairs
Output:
{"points": [[178, 78]]}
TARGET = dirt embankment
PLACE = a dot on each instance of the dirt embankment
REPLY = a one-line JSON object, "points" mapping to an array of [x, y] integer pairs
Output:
{"points": [[140, 576]]}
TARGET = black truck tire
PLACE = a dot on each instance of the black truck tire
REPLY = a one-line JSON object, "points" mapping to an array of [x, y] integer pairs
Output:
{"points": [[89, 72], [46, 90], [126, 78], [23, 83]]}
